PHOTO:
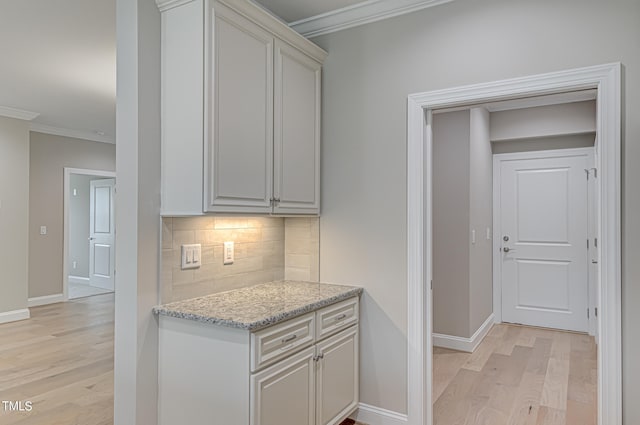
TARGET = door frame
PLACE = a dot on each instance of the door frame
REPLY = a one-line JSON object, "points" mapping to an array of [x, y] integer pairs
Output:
{"points": [[65, 227], [497, 219], [606, 79]]}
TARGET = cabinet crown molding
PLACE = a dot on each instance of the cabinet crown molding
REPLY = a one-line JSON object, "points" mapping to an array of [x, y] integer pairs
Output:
{"points": [[277, 26], [170, 4]]}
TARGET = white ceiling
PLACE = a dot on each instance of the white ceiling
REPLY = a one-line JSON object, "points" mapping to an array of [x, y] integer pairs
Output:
{"points": [[58, 57], [58, 60]]}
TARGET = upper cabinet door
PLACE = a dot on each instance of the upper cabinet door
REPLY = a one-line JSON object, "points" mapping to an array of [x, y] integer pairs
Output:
{"points": [[239, 115], [296, 173]]}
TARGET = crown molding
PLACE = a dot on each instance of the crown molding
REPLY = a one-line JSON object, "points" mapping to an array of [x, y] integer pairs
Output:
{"points": [[68, 132], [6, 111], [170, 4], [359, 14]]}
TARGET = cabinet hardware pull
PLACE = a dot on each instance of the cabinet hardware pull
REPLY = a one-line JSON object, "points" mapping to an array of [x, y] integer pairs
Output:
{"points": [[342, 316], [318, 357], [289, 338]]}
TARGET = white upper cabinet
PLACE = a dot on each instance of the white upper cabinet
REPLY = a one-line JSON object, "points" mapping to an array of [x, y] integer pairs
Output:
{"points": [[240, 111], [240, 142], [296, 184]]}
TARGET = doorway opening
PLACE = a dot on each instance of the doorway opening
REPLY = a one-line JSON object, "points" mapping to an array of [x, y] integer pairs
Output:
{"points": [[525, 251], [89, 233], [605, 79]]}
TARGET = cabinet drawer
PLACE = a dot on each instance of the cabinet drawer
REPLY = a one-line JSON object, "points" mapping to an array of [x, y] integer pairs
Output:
{"points": [[336, 317], [281, 340]]}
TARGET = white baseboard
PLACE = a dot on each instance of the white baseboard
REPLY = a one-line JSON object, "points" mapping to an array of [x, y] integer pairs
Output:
{"points": [[372, 415], [464, 344], [14, 316], [47, 299], [78, 279]]}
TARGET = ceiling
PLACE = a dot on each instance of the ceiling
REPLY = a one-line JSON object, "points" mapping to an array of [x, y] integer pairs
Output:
{"points": [[58, 58]]}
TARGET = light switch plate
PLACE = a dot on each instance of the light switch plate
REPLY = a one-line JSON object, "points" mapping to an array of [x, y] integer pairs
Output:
{"points": [[228, 253], [191, 256]]}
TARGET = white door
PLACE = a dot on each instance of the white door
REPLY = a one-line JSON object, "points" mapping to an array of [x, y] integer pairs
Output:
{"points": [[543, 238], [102, 234]]}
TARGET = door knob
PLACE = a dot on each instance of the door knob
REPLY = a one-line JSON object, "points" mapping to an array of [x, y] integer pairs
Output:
{"points": [[507, 249]]}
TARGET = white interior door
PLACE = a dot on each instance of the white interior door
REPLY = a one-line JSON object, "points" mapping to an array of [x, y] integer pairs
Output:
{"points": [[543, 225], [102, 234]]}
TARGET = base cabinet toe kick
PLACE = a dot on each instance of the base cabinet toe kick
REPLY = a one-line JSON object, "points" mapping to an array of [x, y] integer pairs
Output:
{"points": [[301, 371]]}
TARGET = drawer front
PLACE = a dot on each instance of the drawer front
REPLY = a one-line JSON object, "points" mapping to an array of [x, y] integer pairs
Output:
{"points": [[336, 317], [281, 340]]}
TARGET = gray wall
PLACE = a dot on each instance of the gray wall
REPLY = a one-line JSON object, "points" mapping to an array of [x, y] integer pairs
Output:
{"points": [[14, 213], [367, 76], [462, 204], [451, 253], [49, 155], [480, 219]]}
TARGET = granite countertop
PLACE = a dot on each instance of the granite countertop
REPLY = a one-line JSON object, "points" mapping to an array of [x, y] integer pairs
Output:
{"points": [[259, 306]]}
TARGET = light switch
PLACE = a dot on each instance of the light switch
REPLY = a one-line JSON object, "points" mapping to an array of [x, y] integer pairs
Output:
{"points": [[473, 236], [488, 233], [191, 255], [228, 253], [43, 230]]}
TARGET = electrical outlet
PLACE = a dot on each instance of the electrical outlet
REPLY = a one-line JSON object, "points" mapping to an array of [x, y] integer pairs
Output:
{"points": [[228, 253], [191, 256]]}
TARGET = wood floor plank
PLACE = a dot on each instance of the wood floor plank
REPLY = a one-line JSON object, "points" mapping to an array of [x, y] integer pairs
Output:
{"points": [[61, 359], [525, 376]]}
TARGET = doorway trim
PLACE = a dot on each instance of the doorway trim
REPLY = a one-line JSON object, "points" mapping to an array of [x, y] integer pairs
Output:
{"points": [[606, 79], [65, 227]]}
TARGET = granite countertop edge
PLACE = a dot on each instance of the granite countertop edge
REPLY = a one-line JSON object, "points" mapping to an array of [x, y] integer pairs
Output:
{"points": [[270, 320]]}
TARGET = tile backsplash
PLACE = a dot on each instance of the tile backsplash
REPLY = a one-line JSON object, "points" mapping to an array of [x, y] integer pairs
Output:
{"points": [[266, 249]]}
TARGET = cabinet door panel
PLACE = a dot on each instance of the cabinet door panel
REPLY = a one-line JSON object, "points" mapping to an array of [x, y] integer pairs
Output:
{"points": [[241, 115], [338, 377], [296, 132], [285, 392]]}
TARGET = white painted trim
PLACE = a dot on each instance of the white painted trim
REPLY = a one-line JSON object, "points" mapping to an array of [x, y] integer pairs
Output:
{"points": [[68, 132], [419, 294], [359, 14], [65, 226], [46, 299], [497, 217], [78, 279], [606, 79], [20, 114], [164, 5], [15, 315], [372, 415], [459, 343]]}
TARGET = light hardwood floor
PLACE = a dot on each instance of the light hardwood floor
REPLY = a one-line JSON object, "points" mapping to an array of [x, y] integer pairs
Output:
{"points": [[518, 376], [62, 361]]}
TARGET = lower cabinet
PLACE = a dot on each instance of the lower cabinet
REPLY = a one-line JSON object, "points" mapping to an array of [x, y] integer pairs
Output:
{"points": [[283, 374], [285, 393], [337, 378], [316, 386]]}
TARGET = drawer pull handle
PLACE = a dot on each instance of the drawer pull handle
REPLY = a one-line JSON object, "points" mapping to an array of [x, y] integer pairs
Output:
{"points": [[342, 316], [289, 338]]}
